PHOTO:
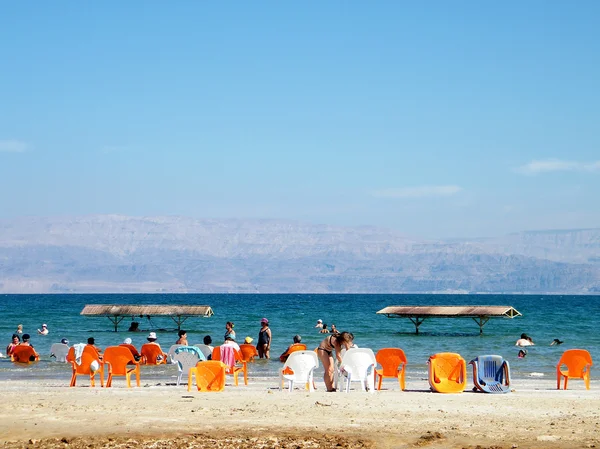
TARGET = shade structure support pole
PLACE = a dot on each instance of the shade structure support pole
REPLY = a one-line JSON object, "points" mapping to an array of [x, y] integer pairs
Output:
{"points": [[417, 322], [179, 320], [116, 319], [481, 320]]}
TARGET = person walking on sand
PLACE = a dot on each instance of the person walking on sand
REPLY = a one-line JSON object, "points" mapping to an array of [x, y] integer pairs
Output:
{"points": [[263, 346], [334, 342]]}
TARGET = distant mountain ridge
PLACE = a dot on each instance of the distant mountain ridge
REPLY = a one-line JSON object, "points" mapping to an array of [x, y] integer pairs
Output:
{"points": [[112, 253]]}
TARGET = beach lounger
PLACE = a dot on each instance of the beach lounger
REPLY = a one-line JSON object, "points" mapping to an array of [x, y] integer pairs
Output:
{"points": [[248, 352], [120, 362], [447, 373], [89, 364], [393, 364], [299, 368], [231, 357], [574, 364], [210, 376], [186, 358], [358, 365], [24, 354], [491, 374], [153, 355], [58, 352]]}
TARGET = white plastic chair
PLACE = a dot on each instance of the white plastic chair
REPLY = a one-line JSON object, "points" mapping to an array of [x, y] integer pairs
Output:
{"points": [[358, 365], [59, 352], [171, 353], [205, 350], [302, 365], [185, 360]]}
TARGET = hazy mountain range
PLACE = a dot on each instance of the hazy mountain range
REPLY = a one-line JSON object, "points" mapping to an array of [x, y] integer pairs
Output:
{"points": [[107, 253]]}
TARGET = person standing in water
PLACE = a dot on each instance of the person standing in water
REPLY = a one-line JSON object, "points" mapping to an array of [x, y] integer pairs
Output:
{"points": [[263, 346]]}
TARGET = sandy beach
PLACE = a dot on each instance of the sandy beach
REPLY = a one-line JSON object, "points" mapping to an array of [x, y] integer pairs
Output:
{"points": [[534, 415]]}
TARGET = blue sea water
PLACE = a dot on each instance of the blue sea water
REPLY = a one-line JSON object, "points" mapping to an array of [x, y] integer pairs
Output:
{"points": [[573, 319]]}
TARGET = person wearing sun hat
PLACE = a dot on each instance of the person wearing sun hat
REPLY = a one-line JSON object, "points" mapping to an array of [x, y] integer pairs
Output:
{"points": [[43, 330], [319, 324], [263, 346], [154, 356]]}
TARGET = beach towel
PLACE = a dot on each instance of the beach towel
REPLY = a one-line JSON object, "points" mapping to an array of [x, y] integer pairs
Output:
{"points": [[78, 348], [228, 355], [192, 349]]}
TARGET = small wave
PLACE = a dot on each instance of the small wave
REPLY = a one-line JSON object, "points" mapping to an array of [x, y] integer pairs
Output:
{"points": [[536, 374]]}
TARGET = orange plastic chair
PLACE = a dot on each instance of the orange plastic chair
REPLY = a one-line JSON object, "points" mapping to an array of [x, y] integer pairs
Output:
{"points": [[210, 376], [132, 348], [248, 352], [393, 364], [447, 373], [151, 354], [24, 354], [293, 348], [578, 363], [119, 360], [88, 356], [233, 369]]}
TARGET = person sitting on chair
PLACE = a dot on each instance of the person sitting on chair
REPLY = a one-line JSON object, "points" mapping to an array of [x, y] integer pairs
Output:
{"points": [[296, 346]]}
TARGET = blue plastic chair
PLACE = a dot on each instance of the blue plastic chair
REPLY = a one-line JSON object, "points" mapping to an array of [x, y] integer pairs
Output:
{"points": [[491, 374]]}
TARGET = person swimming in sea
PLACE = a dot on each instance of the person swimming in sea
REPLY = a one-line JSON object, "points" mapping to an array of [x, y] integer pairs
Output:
{"points": [[525, 340], [556, 341], [522, 353]]}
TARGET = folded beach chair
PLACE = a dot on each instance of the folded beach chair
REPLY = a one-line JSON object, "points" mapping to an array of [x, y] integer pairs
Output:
{"points": [[393, 364], [578, 364], [210, 376], [248, 352], [120, 362], [205, 350], [87, 364], [58, 352], [24, 354], [491, 374], [229, 356], [299, 368], [447, 373], [186, 357], [153, 355], [358, 365]]}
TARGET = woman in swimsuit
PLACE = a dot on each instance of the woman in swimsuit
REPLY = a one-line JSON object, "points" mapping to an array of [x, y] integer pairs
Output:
{"points": [[325, 350], [263, 346], [229, 332]]}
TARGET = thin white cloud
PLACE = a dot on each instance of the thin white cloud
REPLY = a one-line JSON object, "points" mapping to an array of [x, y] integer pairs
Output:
{"points": [[557, 165], [12, 146], [417, 192]]}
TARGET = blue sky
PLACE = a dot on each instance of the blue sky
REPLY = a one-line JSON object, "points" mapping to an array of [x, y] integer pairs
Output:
{"points": [[439, 119]]}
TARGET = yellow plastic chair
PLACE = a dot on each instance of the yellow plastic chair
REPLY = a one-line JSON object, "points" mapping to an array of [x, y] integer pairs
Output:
{"points": [[447, 373], [578, 363], [120, 362], [210, 376], [393, 364]]}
